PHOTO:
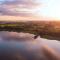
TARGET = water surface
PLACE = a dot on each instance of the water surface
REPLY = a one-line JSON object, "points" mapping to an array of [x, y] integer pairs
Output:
{"points": [[22, 46]]}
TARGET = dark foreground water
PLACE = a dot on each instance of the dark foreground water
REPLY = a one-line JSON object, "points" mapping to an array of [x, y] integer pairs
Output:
{"points": [[22, 46]]}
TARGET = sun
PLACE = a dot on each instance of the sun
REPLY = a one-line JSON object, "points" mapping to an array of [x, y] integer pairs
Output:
{"points": [[51, 8]]}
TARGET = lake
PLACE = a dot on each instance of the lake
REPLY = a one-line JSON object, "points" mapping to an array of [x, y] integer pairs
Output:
{"points": [[23, 46]]}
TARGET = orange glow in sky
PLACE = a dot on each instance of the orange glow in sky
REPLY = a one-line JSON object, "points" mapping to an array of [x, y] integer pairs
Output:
{"points": [[17, 10]]}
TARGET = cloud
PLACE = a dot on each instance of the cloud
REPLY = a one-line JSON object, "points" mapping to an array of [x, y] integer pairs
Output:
{"points": [[18, 7], [9, 36]]}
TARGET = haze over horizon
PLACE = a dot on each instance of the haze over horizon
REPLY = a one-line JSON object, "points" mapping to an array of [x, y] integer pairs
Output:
{"points": [[29, 10]]}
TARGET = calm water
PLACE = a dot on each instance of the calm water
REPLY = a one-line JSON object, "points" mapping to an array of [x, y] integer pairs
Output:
{"points": [[22, 46]]}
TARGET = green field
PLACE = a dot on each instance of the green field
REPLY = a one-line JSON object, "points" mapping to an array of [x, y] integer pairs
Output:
{"points": [[44, 29]]}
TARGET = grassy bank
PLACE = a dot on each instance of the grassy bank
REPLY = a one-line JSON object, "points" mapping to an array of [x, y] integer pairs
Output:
{"points": [[44, 29]]}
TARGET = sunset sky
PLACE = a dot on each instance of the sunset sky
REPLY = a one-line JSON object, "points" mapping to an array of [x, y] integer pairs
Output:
{"points": [[17, 10]]}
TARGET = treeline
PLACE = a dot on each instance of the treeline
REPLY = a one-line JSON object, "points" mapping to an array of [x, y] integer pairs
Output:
{"points": [[45, 29]]}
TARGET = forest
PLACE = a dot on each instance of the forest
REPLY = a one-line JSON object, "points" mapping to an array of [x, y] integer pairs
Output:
{"points": [[46, 29]]}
